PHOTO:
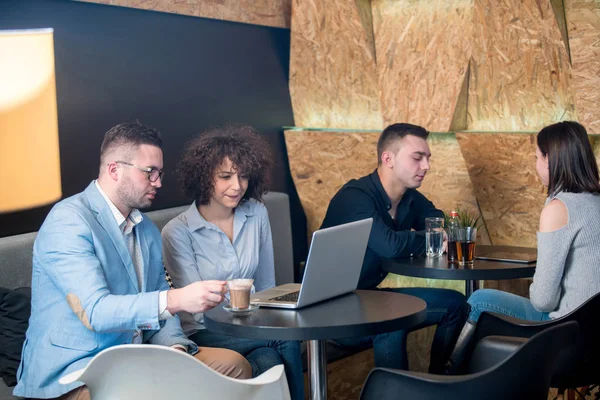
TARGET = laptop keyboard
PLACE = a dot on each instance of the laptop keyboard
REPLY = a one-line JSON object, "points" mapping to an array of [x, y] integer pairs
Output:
{"points": [[291, 297]]}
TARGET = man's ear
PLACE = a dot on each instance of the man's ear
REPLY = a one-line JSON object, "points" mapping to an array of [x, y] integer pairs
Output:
{"points": [[112, 170], [387, 158]]}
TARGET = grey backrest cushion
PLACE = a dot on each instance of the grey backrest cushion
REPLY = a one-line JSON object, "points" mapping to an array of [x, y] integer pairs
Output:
{"points": [[6, 392], [16, 251], [15, 260], [161, 217], [278, 206]]}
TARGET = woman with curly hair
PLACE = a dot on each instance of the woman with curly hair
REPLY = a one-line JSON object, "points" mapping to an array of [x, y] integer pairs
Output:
{"points": [[225, 234]]}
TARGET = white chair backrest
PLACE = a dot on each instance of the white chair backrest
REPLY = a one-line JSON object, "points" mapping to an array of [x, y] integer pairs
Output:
{"points": [[157, 372]]}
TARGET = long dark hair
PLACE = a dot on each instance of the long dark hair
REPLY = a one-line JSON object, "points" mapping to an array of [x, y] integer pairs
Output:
{"points": [[571, 162]]}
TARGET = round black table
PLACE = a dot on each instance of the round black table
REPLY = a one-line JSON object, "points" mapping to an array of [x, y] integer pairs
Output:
{"points": [[440, 268], [360, 313]]}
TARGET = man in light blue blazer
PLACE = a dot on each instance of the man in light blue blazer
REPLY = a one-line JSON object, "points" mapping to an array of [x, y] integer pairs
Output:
{"points": [[98, 279]]}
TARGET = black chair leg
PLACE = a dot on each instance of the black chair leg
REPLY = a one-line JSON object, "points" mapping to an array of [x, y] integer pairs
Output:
{"points": [[462, 347]]}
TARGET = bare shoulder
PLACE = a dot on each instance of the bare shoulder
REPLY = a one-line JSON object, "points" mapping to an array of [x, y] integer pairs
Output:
{"points": [[554, 216]]}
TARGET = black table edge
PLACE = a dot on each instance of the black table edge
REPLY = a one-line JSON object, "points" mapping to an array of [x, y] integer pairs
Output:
{"points": [[459, 274], [315, 333]]}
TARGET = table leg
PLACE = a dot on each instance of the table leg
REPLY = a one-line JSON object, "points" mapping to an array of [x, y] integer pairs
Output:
{"points": [[317, 369], [470, 287]]}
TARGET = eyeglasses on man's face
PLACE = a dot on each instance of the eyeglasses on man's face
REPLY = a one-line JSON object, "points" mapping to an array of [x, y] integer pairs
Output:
{"points": [[153, 173]]}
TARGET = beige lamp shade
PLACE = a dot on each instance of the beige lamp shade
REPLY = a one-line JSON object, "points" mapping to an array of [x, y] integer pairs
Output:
{"points": [[29, 152]]}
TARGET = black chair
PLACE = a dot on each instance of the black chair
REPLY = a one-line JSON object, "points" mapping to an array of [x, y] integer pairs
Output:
{"points": [[525, 374], [579, 369]]}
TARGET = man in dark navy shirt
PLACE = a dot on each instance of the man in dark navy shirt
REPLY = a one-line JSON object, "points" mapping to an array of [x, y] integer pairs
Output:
{"points": [[389, 196]]}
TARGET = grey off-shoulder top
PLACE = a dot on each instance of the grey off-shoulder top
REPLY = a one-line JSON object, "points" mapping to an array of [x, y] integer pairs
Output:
{"points": [[568, 266]]}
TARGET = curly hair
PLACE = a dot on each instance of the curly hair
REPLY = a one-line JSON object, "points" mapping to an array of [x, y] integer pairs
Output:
{"points": [[247, 150]]}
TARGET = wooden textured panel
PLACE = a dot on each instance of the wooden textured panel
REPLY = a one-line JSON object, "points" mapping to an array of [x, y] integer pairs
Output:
{"points": [[259, 12], [345, 377], [333, 80], [322, 162], [558, 6], [448, 184], [366, 18], [583, 22], [423, 50], [510, 194], [401, 281], [595, 140], [520, 72]]}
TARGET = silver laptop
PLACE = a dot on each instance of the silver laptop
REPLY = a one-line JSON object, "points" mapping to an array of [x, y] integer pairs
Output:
{"points": [[333, 268]]}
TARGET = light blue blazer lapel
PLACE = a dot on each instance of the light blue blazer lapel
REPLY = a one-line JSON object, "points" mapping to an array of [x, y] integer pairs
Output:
{"points": [[107, 221], [143, 245]]}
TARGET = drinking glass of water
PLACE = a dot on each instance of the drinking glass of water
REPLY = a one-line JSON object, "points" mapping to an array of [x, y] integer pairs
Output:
{"points": [[434, 236]]}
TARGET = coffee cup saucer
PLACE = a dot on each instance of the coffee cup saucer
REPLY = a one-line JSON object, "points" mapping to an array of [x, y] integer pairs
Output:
{"points": [[247, 311]]}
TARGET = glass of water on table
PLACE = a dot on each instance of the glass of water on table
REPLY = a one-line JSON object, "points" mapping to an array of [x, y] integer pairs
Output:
{"points": [[434, 236]]}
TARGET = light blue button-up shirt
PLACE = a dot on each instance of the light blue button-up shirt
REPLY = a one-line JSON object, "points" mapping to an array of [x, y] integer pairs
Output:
{"points": [[197, 250]]}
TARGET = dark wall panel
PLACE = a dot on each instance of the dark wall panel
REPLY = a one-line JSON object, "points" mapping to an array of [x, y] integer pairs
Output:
{"points": [[178, 74]]}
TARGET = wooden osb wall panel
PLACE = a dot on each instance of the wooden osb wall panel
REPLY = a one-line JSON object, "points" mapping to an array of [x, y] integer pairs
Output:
{"points": [[423, 50], [583, 22], [322, 162], [275, 13], [448, 184], [333, 80], [366, 18], [345, 377], [595, 140], [558, 6], [520, 72], [510, 194]]}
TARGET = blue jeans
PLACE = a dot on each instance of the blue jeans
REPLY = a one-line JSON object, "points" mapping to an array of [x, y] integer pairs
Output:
{"points": [[446, 308], [503, 303], [262, 355]]}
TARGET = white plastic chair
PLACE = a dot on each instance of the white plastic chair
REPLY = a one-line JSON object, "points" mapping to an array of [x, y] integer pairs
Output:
{"points": [[146, 371]]}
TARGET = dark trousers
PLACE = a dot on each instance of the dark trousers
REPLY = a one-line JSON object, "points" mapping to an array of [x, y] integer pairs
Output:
{"points": [[446, 308]]}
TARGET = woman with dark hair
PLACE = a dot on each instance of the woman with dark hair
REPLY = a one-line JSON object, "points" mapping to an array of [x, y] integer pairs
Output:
{"points": [[568, 263], [225, 234]]}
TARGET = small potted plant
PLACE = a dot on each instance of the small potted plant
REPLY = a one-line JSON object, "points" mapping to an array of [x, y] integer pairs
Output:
{"points": [[461, 241], [468, 219]]}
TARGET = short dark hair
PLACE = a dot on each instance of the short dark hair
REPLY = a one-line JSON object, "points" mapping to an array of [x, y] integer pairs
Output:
{"points": [[247, 150], [572, 166], [395, 132], [131, 135]]}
